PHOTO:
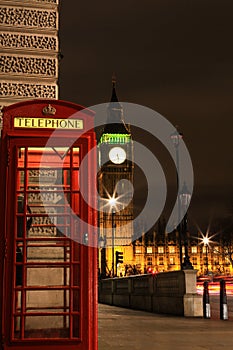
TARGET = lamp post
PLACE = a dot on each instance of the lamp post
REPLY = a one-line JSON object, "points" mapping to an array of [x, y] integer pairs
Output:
{"points": [[206, 245], [113, 240], [185, 198], [176, 137], [112, 202], [102, 245]]}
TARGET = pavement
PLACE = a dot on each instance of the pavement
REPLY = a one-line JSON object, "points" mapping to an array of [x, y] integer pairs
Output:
{"points": [[124, 329], [215, 307]]}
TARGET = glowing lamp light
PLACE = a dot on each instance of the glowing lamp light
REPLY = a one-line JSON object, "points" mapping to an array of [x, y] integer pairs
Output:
{"points": [[112, 201], [206, 241]]}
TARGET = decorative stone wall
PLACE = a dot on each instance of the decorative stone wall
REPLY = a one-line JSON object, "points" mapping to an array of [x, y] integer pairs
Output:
{"points": [[27, 90], [27, 65], [42, 1], [27, 17], [48, 1], [29, 50], [30, 41]]}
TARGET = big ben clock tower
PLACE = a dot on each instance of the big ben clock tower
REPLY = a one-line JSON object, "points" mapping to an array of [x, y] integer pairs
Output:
{"points": [[115, 181]]}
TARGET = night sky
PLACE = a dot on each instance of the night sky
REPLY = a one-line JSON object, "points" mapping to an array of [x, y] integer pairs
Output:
{"points": [[174, 56]]}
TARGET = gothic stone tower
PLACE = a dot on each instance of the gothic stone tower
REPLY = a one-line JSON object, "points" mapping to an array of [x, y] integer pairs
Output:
{"points": [[29, 50], [116, 151]]}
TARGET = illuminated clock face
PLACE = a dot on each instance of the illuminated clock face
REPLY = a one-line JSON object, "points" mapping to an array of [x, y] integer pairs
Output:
{"points": [[117, 155]]}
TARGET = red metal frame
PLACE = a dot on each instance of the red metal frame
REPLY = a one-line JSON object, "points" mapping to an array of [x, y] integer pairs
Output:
{"points": [[78, 268]]}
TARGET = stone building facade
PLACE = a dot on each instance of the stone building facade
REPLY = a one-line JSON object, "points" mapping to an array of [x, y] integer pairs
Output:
{"points": [[29, 50], [159, 251]]}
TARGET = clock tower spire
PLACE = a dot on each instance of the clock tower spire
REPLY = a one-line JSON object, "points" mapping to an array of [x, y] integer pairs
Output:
{"points": [[114, 97], [116, 165], [115, 118]]}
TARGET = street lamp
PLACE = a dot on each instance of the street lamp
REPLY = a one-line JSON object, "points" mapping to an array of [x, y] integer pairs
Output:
{"points": [[206, 245], [112, 203], [176, 137], [113, 238], [185, 198]]}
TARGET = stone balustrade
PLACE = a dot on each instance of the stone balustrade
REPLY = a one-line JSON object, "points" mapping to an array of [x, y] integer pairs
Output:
{"points": [[171, 293]]}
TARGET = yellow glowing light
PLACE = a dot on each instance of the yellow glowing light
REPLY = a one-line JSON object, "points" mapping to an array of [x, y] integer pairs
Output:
{"points": [[206, 241], [112, 201]]}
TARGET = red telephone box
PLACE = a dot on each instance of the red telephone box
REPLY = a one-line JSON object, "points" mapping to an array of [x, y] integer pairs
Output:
{"points": [[48, 268]]}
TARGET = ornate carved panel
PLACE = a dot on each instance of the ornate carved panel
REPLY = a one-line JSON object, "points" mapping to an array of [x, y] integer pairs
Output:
{"points": [[27, 17], [48, 1], [23, 41], [40, 1], [28, 65], [13, 89]]}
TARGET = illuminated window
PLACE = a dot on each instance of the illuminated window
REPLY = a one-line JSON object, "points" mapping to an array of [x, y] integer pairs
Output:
{"points": [[194, 249], [149, 250], [149, 261], [160, 260], [194, 259], [205, 249], [172, 261], [160, 250], [138, 250], [172, 249]]}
